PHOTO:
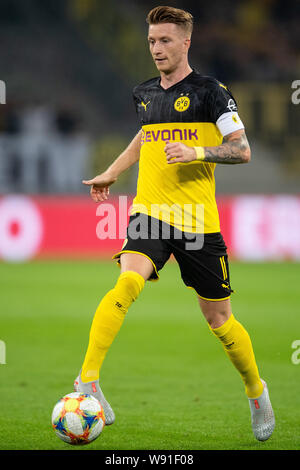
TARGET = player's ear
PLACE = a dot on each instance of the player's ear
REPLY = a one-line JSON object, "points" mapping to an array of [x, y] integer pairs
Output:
{"points": [[187, 43]]}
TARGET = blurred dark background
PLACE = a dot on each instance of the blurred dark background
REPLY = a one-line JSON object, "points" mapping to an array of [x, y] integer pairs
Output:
{"points": [[70, 65]]}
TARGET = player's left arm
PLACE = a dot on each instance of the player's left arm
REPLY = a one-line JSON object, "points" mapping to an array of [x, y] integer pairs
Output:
{"points": [[221, 109], [234, 149]]}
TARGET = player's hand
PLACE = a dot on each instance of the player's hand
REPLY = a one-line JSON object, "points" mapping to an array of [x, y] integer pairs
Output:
{"points": [[177, 152], [100, 186]]}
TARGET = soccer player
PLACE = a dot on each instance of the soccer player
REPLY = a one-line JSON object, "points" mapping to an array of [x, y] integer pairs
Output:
{"points": [[189, 123]]}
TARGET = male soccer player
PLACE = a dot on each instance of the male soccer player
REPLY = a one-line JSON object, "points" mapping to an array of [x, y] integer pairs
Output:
{"points": [[189, 123]]}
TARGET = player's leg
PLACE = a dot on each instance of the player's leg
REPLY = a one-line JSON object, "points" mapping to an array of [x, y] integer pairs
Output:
{"points": [[140, 259], [235, 340], [107, 321], [136, 262], [207, 271], [208, 274], [238, 347], [110, 314]]}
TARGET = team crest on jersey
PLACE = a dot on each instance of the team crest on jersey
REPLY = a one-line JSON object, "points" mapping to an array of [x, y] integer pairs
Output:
{"points": [[182, 103]]}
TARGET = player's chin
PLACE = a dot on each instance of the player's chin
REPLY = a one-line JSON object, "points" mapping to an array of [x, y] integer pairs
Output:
{"points": [[162, 65]]}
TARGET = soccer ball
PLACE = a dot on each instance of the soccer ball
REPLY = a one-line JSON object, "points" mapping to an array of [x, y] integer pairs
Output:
{"points": [[78, 418]]}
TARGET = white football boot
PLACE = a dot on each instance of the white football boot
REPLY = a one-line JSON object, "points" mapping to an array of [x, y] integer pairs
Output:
{"points": [[262, 415], [93, 388]]}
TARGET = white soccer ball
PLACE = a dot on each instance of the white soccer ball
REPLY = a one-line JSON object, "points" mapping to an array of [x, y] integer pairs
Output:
{"points": [[78, 418]]}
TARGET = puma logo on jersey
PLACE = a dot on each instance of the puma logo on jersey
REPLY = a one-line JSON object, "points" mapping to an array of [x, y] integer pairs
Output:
{"points": [[225, 286]]}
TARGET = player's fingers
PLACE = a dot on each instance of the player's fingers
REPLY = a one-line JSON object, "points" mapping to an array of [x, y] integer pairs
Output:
{"points": [[101, 194], [94, 197], [93, 194], [104, 192], [99, 198], [173, 154], [170, 157], [170, 146], [88, 182], [175, 160]]}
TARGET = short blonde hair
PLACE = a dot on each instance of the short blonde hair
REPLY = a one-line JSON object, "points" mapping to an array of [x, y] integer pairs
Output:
{"points": [[166, 14]]}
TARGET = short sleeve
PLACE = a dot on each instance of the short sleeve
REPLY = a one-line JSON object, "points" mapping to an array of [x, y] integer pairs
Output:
{"points": [[222, 109], [135, 99], [220, 101]]}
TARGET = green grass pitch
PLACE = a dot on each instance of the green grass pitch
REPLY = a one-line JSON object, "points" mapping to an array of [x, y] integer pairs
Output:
{"points": [[166, 375]]}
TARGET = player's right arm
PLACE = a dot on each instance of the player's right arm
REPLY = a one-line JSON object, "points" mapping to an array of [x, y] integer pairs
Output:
{"points": [[100, 184]]}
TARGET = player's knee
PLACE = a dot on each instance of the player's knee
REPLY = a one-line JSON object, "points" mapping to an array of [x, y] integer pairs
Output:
{"points": [[136, 262], [130, 284], [217, 319], [216, 313]]}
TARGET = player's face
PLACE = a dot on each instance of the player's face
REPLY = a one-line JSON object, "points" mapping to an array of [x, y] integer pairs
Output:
{"points": [[169, 46]]}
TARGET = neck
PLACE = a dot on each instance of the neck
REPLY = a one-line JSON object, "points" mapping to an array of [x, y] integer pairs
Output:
{"points": [[169, 79]]}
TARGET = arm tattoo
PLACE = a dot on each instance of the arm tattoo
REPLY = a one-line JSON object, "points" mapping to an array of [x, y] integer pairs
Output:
{"points": [[231, 151]]}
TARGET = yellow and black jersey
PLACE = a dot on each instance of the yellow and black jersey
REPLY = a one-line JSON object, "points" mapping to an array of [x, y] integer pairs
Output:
{"points": [[187, 112]]}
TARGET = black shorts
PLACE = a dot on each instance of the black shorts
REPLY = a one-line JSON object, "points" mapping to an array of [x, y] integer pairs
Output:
{"points": [[203, 261]]}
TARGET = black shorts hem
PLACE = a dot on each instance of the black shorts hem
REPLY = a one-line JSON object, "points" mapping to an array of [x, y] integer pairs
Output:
{"points": [[154, 276]]}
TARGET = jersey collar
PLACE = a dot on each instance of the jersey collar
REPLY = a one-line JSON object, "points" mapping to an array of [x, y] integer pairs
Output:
{"points": [[191, 74]]}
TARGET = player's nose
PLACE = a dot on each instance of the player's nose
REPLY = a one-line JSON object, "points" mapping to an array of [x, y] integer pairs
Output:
{"points": [[156, 49]]}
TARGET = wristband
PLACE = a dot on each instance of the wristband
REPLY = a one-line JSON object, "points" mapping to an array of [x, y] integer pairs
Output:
{"points": [[200, 155]]}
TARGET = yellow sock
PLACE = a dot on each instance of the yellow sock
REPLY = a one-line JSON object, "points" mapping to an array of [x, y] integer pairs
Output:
{"points": [[237, 345], [107, 321]]}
